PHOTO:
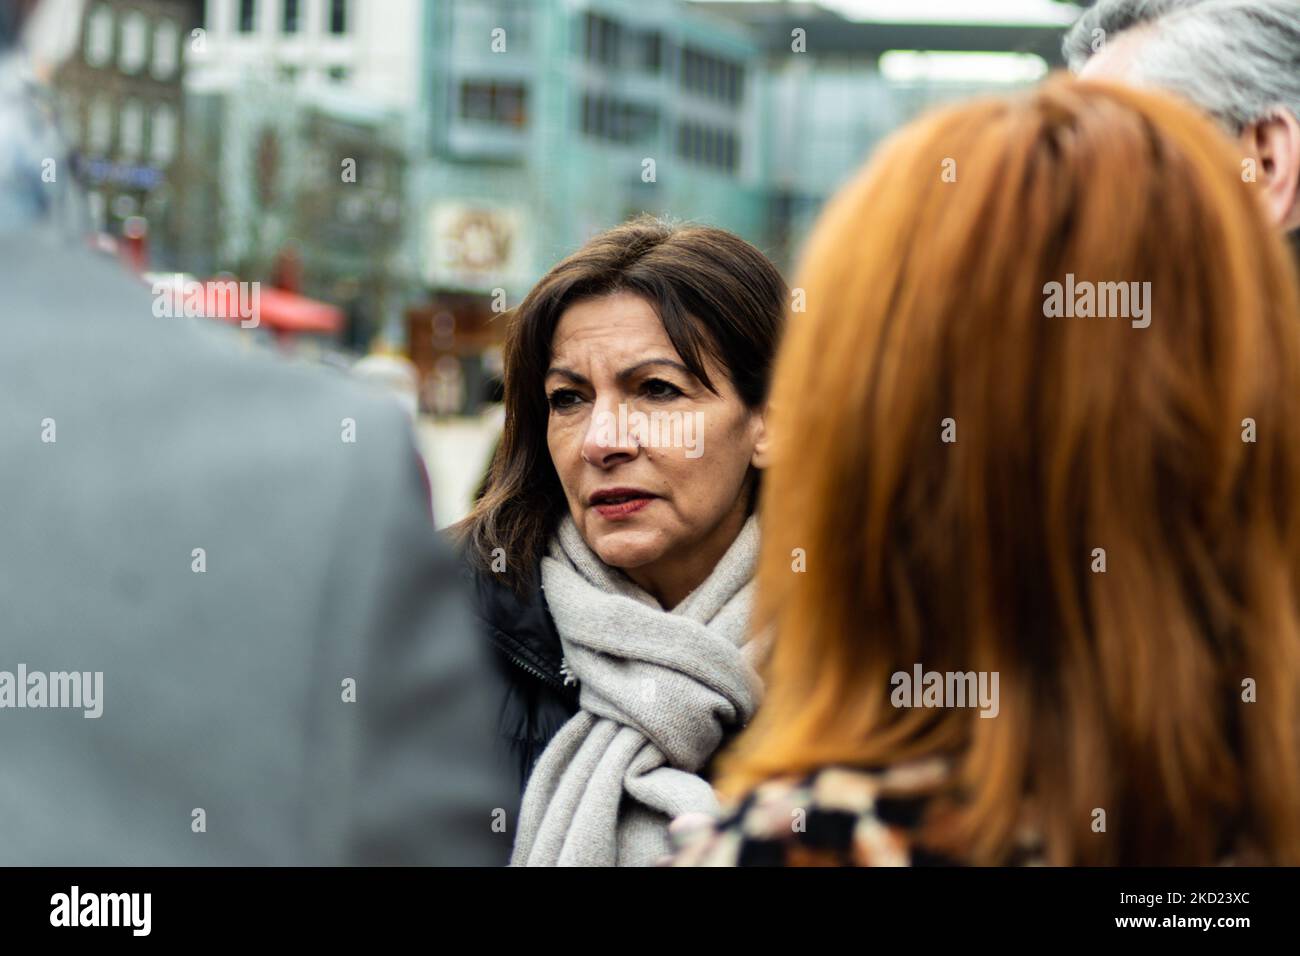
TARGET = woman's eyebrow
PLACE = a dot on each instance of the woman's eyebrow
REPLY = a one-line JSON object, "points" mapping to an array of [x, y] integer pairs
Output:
{"points": [[632, 370], [622, 376], [571, 375]]}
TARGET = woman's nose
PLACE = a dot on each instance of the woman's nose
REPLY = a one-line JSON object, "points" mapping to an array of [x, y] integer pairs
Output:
{"points": [[611, 437]]}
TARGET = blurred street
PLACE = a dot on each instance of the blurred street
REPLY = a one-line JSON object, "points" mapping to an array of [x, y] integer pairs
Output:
{"points": [[456, 452]]}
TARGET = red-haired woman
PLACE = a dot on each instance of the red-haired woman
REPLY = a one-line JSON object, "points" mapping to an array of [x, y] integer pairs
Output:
{"points": [[1031, 527]]}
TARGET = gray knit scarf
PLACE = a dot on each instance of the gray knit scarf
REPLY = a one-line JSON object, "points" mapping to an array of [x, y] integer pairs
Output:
{"points": [[657, 691]]}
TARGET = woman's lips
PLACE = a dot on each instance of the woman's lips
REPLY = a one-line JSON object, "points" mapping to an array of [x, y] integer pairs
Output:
{"points": [[615, 511]]}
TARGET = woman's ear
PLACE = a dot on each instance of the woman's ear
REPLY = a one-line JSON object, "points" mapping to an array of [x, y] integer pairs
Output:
{"points": [[761, 438], [1275, 144]]}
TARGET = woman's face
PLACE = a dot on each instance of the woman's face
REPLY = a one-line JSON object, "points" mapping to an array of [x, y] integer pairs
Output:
{"points": [[653, 464]]}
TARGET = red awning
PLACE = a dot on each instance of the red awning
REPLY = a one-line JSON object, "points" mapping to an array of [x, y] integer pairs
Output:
{"points": [[277, 308], [229, 300], [290, 312]]}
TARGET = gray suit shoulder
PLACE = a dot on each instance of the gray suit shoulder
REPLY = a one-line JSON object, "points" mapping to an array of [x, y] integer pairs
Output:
{"points": [[242, 549]]}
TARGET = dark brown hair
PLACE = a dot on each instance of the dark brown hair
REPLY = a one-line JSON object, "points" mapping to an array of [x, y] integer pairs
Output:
{"points": [[1120, 690], [718, 297]]}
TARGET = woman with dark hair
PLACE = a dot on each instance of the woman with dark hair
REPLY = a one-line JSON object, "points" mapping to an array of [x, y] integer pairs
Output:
{"points": [[614, 545]]}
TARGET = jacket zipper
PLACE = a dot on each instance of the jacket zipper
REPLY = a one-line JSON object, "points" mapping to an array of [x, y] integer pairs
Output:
{"points": [[529, 668]]}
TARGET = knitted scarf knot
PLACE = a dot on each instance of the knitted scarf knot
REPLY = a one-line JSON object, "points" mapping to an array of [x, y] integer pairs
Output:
{"points": [[657, 691]]}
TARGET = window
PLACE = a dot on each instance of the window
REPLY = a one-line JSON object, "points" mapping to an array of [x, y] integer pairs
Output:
{"points": [[162, 135], [591, 108], [504, 104], [99, 36], [132, 132], [649, 52], [603, 37], [135, 42], [618, 120], [710, 76], [337, 74], [710, 146], [338, 17], [99, 125], [166, 50], [509, 105], [247, 16], [735, 84], [476, 101], [291, 12]]}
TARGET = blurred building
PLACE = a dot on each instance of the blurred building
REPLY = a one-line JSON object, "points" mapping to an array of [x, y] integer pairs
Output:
{"points": [[550, 120], [421, 163], [123, 111], [831, 88], [302, 188], [296, 163], [370, 48]]}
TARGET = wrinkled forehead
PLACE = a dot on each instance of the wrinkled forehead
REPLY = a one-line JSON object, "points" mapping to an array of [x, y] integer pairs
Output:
{"points": [[615, 322]]}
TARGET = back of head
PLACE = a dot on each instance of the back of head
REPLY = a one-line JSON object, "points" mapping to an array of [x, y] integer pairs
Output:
{"points": [[1099, 510]]}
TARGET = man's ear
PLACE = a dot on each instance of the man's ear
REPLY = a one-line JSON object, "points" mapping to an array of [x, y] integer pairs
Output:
{"points": [[1274, 142], [762, 438]]}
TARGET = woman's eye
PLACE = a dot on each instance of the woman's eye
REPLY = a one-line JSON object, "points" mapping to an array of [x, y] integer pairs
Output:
{"points": [[564, 398], [658, 388]]}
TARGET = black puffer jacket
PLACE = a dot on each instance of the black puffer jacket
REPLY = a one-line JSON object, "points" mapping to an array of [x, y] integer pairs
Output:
{"points": [[534, 700]]}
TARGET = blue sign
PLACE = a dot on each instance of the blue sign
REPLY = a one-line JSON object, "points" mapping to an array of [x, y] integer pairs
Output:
{"points": [[123, 174]]}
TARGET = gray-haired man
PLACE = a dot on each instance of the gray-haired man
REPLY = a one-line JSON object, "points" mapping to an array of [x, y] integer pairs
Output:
{"points": [[1239, 60]]}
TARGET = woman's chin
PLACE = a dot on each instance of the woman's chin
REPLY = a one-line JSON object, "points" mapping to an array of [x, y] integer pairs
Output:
{"points": [[628, 548]]}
